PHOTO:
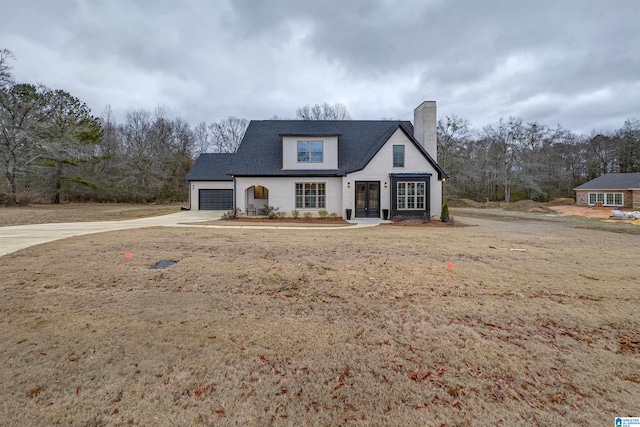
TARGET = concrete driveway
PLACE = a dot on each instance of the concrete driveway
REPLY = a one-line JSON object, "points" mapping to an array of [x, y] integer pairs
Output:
{"points": [[14, 238], [18, 237]]}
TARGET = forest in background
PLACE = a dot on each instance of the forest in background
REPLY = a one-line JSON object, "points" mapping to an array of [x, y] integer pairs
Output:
{"points": [[52, 149], [512, 160]]}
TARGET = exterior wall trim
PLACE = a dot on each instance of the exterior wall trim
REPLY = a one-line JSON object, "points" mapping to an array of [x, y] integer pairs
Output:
{"points": [[410, 177]]}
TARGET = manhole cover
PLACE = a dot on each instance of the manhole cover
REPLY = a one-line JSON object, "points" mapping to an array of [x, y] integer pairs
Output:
{"points": [[164, 264]]}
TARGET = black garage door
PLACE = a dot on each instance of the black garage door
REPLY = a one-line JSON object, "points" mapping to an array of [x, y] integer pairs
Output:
{"points": [[216, 200]]}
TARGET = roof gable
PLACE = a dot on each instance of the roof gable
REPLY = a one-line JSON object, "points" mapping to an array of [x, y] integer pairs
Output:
{"points": [[408, 132], [260, 152]]}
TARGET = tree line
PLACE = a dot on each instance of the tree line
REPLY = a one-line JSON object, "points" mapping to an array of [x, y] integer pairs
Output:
{"points": [[53, 149], [512, 159]]}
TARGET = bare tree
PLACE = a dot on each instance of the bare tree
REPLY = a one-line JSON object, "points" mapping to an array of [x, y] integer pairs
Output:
{"points": [[453, 135], [628, 146], [202, 138], [504, 138], [110, 146], [5, 70], [157, 155], [602, 155], [138, 155], [20, 114], [227, 134], [325, 111]]}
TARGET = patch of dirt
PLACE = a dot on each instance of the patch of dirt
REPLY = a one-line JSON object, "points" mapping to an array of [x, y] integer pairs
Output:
{"points": [[562, 201], [528, 206], [464, 203], [506, 323], [81, 212], [583, 211], [421, 223]]}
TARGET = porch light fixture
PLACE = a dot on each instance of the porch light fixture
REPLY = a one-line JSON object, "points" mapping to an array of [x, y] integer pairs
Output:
{"points": [[348, 184], [386, 185]]}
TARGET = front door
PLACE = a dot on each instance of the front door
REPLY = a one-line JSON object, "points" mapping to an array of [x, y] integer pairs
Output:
{"points": [[367, 199]]}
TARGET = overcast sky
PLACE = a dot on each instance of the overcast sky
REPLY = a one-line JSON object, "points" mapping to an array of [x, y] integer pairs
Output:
{"points": [[570, 62]]}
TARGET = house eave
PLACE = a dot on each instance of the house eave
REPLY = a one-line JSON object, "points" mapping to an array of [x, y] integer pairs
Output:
{"points": [[289, 175], [305, 134], [605, 189], [211, 179]]}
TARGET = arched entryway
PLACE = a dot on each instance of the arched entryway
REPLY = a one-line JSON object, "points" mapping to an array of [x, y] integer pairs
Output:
{"points": [[256, 198]]}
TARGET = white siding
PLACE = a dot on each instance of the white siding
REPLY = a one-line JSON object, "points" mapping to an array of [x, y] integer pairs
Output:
{"points": [[290, 153], [282, 193], [196, 186], [381, 166]]}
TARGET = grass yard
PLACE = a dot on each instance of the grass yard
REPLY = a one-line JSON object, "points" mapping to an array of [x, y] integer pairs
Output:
{"points": [[80, 212], [509, 322]]}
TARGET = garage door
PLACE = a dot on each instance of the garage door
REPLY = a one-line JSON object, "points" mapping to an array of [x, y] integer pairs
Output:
{"points": [[216, 200]]}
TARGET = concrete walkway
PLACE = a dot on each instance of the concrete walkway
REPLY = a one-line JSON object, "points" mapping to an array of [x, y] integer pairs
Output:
{"points": [[14, 238]]}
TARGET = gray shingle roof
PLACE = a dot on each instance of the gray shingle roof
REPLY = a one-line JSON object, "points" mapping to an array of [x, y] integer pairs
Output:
{"points": [[260, 153], [613, 181], [212, 167]]}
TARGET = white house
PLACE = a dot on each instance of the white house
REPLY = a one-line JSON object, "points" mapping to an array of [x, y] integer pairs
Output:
{"points": [[362, 168]]}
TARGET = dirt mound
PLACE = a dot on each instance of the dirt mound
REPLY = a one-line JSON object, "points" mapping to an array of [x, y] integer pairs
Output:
{"points": [[528, 206], [562, 201], [464, 203], [496, 205]]}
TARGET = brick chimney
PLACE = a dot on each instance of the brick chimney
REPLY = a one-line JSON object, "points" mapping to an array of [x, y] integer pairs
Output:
{"points": [[424, 127]]}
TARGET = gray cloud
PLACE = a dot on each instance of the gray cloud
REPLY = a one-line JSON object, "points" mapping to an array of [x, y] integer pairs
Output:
{"points": [[571, 62]]}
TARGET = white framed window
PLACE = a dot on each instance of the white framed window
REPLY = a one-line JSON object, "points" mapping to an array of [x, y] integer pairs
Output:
{"points": [[411, 195], [398, 156], [310, 151], [596, 197], [310, 195], [607, 199]]}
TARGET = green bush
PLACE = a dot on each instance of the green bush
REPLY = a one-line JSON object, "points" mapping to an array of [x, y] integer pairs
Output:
{"points": [[323, 213], [308, 215], [444, 215], [295, 213]]}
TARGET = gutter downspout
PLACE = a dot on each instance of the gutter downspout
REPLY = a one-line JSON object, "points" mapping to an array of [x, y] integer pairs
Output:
{"points": [[234, 193]]}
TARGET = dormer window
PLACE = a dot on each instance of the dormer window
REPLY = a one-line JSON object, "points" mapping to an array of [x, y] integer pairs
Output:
{"points": [[310, 151]]}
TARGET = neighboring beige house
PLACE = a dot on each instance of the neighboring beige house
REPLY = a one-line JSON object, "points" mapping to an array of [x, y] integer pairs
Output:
{"points": [[362, 168], [612, 189]]}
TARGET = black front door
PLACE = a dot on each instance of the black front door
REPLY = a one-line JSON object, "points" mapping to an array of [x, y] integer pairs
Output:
{"points": [[367, 199]]}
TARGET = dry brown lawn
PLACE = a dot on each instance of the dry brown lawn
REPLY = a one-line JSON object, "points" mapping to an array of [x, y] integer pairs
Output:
{"points": [[510, 322], [80, 212]]}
